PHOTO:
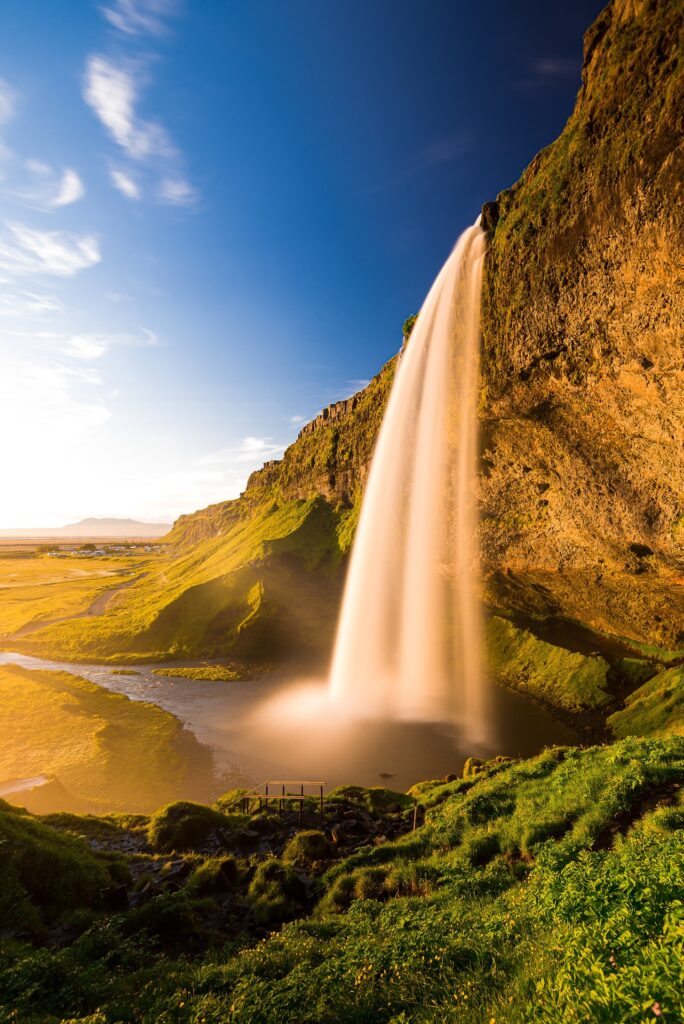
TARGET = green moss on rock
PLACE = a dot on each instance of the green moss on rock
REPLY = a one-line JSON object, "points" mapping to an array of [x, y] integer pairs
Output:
{"points": [[655, 709], [564, 679]]}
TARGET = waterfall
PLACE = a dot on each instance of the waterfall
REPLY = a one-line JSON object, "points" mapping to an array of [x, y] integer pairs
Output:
{"points": [[409, 639]]}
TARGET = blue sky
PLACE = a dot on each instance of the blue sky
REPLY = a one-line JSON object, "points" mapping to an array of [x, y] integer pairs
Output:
{"points": [[215, 216]]}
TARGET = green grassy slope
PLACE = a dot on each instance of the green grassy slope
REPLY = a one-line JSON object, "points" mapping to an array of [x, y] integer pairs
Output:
{"points": [[267, 586], [540, 890]]}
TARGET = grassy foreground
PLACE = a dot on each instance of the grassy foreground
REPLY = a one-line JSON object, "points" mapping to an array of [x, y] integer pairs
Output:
{"points": [[546, 890]]}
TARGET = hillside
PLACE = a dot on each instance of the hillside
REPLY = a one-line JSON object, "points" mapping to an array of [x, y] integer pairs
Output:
{"points": [[544, 890], [582, 419]]}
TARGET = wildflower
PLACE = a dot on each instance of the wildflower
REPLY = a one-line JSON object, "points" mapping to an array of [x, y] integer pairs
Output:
{"points": [[657, 1010]]}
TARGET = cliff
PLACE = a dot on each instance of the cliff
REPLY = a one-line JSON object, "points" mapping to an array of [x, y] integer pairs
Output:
{"points": [[583, 347]]}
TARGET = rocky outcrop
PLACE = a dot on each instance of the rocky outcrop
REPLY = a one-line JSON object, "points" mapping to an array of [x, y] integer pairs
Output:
{"points": [[330, 457], [583, 347]]}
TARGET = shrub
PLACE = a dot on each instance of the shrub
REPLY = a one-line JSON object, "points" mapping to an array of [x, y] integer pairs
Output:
{"points": [[472, 766], [276, 893], [411, 880], [340, 895], [214, 876], [307, 847], [370, 884], [408, 326], [186, 826], [229, 801]]}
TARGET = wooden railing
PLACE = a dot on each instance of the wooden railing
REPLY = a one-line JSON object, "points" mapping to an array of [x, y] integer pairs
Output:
{"points": [[276, 793]]}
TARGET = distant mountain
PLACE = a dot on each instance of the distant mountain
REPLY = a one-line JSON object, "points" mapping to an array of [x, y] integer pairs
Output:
{"points": [[90, 528]]}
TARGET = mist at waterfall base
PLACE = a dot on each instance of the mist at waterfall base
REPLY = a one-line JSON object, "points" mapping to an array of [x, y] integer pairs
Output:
{"points": [[407, 692]]}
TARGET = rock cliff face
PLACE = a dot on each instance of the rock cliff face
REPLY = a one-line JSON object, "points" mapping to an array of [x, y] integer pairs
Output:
{"points": [[583, 347], [582, 405]]}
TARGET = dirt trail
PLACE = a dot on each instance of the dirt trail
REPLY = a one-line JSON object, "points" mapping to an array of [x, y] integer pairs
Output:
{"points": [[96, 607]]}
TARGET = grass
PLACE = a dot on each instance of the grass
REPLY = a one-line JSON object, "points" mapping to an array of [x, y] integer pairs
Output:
{"points": [[109, 752], [39, 588], [571, 681], [540, 890], [218, 673]]}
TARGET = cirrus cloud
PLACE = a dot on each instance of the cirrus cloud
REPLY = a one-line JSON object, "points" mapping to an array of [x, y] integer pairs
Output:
{"points": [[140, 17], [125, 183], [58, 253], [112, 90]]}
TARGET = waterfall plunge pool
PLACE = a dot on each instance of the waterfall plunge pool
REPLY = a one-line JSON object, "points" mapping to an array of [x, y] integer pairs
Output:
{"points": [[281, 726]]}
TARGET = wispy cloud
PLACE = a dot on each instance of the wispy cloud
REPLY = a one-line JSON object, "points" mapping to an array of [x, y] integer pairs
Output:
{"points": [[42, 402], [8, 103], [28, 305], [45, 189], [297, 419], [216, 476], [8, 99], [140, 17], [250, 450], [424, 161], [111, 90], [58, 253], [125, 183], [48, 190], [547, 72], [93, 345], [70, 189], [349, 388], [178, 192], [555, 67]]}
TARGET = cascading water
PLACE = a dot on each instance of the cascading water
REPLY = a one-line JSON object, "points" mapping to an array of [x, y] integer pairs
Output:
{"points": [[409, 637]]}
